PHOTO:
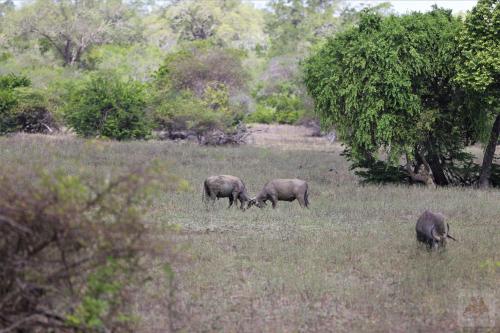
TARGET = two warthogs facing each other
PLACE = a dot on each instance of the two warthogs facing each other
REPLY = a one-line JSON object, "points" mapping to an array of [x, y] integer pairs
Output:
{"points": [[432, 231], [225, 186]]}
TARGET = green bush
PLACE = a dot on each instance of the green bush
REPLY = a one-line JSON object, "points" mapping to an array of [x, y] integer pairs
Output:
{"points": [[8, 102], [199, 64], [107, 106], [23, 108], [31, 112], [263, 115], [283, 105], [11, 81], [185, 111]]}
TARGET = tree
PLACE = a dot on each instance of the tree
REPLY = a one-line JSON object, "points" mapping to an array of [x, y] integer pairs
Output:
{"points": [[231, 23], [5, 7], [72, 27], [387, 84], [194, 23], [479, 69], [295, 24]]}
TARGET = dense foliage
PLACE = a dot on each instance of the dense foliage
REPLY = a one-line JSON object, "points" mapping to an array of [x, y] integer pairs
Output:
{"points": [[193, 89], [479, 70], [388, 84], [23, 108], [107, 106]]}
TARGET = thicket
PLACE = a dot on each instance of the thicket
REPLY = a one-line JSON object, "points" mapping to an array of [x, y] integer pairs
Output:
{"points": [[193, 89], [71, 250], [282, 104], [105, 105], [23, 108]]}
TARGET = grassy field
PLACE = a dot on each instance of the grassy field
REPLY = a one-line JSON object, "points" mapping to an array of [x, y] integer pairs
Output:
{"points": [[349, 263]]}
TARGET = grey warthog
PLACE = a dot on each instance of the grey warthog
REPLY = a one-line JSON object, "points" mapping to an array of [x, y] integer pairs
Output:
{"points": [[432, 231], [284, 190], [225, 186]]}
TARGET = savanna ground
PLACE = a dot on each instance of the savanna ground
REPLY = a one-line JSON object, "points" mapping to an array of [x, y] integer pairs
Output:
{"points": [[349, 263]]}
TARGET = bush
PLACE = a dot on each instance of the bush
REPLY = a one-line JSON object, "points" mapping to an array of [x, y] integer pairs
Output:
{"points": [[263, 115], [283, 107], [107, 106], [11, 81], [8, 102], [186, 112], [69, 251], [32, 114], [23, 108], [200, 64]]}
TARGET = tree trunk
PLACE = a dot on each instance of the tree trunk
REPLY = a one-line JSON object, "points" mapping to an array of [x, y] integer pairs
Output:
{"points": [[437, 169], [489, 153]]}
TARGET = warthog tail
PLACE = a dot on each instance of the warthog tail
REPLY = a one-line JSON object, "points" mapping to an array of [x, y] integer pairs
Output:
{"points": [[306, 198], [204, 193]]}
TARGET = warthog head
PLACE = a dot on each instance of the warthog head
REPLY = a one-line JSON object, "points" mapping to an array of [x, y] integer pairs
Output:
{"points": [[255, 202], [440, 240]]}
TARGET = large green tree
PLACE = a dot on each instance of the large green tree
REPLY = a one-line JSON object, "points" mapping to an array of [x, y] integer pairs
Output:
{"points": [[73, 27], [479, 69], [294, 25], [387, 85], [233, 23]]}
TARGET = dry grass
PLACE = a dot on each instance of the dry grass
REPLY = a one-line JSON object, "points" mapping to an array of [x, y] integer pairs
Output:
{"points": [[350, 263]]}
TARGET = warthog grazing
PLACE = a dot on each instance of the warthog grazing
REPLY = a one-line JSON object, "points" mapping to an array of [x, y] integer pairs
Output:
{"points": [[284, 190], [432, 230], [225, 186]]}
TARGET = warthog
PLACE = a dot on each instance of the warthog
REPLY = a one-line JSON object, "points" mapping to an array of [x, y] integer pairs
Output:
{"points": [[225, 186], [432, 230], [284, 190]]}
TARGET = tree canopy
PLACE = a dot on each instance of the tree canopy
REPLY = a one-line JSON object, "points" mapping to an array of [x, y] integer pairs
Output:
{"points": [[71, 28], [387, 85], [479, 69]]}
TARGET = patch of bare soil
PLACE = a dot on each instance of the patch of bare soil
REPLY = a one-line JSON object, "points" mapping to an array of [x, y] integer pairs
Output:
{"points": [[289, 137]]}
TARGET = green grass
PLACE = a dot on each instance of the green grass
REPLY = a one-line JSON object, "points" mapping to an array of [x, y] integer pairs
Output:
{"points": [[349, 263]]}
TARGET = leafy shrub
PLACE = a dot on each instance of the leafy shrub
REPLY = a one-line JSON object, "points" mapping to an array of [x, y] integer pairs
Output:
{"points": [[263, 115], [11, 81], [69, 251], [288, 107], [8, 102], [32, 114], [200, 64], [282, 106], [107, 106], [23, 108], [185, 111]]}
